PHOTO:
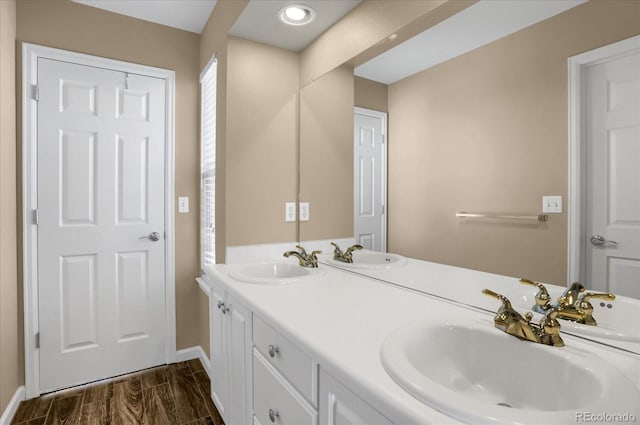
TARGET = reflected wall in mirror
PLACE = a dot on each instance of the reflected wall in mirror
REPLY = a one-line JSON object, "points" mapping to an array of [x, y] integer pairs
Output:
{"points": [[326, 155], [485, 131]]}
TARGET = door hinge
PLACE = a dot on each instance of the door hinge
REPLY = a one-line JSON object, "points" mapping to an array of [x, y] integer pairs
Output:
{"points": [[382, 210], [35, 217], [35, 92], [37, 339]]}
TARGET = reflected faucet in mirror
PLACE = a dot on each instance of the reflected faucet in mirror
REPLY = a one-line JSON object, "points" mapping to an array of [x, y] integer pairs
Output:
{"points": [[346, 256], [573, 303], [304, 259], [508, 320]]}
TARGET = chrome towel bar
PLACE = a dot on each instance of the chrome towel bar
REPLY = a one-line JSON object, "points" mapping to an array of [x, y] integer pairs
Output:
{"points": [[538, 217]]}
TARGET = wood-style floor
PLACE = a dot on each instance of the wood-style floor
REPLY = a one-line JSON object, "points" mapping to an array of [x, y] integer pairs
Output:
{"points": [[176, 394]]}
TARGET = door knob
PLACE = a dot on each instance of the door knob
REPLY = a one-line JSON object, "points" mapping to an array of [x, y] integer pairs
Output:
{"points": [[273, 350], [153, 236], [273, 414], [599, 240]]}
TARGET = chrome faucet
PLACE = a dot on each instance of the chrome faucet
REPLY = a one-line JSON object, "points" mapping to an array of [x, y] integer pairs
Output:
{"points": [[347, 256], [508, 320], [304, 259], [573, 304]]}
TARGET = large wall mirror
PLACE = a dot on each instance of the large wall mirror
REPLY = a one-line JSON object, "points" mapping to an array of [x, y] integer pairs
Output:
{"points": [[482, 129]]}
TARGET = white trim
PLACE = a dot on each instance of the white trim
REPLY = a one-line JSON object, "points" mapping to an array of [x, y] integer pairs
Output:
{"points": [[576, 225], [383, 189], [195, 353], [30, 55], [12, 407]]}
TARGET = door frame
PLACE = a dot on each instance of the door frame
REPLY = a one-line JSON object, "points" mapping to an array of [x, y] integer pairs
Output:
{"points": [[577, 66], [30, 55], [383, 190]]}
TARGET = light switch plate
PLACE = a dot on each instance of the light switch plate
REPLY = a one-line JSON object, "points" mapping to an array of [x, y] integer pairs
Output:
{"points": [[290, 211], [183, 204], [552, 204], [304, 211]]}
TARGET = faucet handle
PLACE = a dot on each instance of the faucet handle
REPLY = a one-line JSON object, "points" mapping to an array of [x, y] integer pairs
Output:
{"points": [[505, 300], [302, 250], [542, 297], [585, 297], [313, 258], [336, 250]]}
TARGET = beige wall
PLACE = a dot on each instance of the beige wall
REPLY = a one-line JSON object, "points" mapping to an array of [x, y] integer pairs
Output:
{"points": [[261, 145], [326, 155], [370, 94], [84, 29], [11, 376], [487, 131]]}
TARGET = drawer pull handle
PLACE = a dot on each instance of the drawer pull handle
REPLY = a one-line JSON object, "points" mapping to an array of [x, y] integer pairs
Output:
{"points": [[273, 350], [273, 414]]}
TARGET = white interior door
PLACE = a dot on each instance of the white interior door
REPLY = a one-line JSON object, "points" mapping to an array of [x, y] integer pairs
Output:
{"points": [[613, 176], [100, 166], [370, 168]]}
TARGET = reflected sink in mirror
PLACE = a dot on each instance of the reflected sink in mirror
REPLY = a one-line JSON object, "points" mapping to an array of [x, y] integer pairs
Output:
{"points": [[478, 374], [618, 320], [366, 259], [272, 273]]}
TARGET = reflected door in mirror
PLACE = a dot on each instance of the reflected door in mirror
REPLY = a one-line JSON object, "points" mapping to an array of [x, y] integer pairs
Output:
{"points": [[613, 176], [370, 179]]}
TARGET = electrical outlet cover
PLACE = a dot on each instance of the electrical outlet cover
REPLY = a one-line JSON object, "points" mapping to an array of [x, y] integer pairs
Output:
{"points": [[304, 211], [289, 211]]}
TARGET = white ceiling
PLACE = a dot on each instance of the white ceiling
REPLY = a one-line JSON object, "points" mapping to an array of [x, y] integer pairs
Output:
{"points": [[259, 22], [188, 15], [479, 24]]}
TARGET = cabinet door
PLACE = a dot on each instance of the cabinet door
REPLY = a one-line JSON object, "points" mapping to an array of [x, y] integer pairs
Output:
{"points": [[218, 350], [240, 365], [340, 406]]}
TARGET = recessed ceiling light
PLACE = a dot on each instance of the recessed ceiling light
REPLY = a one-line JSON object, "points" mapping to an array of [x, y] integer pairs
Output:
{"points": [[297, 14]]}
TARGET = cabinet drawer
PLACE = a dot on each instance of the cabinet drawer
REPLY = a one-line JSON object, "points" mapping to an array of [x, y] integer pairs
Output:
{"points": [[296, 366], [274, 400]]}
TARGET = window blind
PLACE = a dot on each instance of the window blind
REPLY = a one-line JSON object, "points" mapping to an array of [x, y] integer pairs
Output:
{"points": [[208, 83]]}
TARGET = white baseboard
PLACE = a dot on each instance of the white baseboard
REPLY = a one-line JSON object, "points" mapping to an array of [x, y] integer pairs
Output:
{"points": [[193, 353], [12, 408]]}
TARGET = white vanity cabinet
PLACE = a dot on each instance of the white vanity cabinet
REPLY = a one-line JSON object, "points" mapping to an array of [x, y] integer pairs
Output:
{"points": [[340, 406], [284, 379], [231, 364]]}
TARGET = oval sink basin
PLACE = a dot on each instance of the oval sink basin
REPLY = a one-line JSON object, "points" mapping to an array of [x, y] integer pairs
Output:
{"points": [[479, 374], [617, 320], [370, 260], [274, 273]]}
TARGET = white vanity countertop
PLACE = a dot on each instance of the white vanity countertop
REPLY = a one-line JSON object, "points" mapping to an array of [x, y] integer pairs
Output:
{"points": [[341, 320]]}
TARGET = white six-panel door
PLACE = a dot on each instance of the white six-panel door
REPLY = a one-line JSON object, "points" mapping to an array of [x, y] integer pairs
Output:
{"points": [[613, 176], [369, 179], [100, 173]]}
